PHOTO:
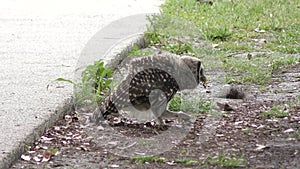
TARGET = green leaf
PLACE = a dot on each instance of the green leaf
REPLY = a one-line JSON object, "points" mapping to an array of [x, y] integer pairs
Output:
{"points": [[60, 80]]}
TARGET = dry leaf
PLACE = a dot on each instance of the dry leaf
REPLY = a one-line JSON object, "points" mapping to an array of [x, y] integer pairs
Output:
{"points": [[46, 138], [57, 128], [100, 128], [83, 148], [47, 155], [114, 166], [45, 147], [36, 159], [260, 147], [171, 163], [238, 122], [215, 45], [259, 30], [288, 130], [26, 158]]}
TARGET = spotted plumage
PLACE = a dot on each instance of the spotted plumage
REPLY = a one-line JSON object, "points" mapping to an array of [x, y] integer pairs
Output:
{"points": [[151, 83]]}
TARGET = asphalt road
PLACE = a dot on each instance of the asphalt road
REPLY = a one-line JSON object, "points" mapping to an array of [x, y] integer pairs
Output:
{"points": [[39, 42]]}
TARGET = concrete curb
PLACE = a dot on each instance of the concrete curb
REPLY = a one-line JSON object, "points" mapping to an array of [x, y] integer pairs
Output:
{"points": [[113, 56], [13, 156]]}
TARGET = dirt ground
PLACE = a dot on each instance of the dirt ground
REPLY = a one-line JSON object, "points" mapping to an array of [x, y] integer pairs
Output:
{"points": [[241, 131]]}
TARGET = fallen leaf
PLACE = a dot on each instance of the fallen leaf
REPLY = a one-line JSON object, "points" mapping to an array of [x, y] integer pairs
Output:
{"points": [[288, 130], [47, 155], [46, 138], [113, 142], [86, 143], [26, 158], [215, 45], [44, 147], [83, 148], [138, 153], [238, 122], [259, 30], [260, 147], [171, 163], [100, 128], [57, 128], [114, 166], [260, 126], [36, 159]]}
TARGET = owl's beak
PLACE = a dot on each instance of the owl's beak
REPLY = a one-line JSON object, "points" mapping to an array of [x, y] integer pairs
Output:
{"points": [[204, 81]]}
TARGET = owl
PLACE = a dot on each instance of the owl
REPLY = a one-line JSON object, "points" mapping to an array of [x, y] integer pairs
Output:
{"points": [[151, 83]]}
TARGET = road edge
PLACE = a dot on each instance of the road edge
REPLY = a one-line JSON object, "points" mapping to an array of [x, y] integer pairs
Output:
{"points": [[119, 53]]}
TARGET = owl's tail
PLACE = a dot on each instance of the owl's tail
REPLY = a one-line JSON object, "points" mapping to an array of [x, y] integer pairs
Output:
{"points": [[106, 108]]}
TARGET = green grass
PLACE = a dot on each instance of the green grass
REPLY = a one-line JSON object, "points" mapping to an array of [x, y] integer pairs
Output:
{"points": [[143, 159], [257, 69], [277, 21], [172, 45], [182, 151], [271, 27], [185, 161], [225, 161], [137, 52], [276, 111], [95, 83], [154, 159], [178, 103]]}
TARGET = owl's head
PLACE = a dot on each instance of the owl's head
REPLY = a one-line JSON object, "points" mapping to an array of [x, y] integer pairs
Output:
{"points": [[196, 67]]}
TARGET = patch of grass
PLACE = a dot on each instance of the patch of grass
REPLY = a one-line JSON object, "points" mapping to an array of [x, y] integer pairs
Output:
{"points": [[225, 161], [234, 26], [242, 70], [240, 21], [95, 83], [181, 152], [53, 150], [186, 161], [257, 69], [178, 103], [175, 103], [216, 34], [140, 52], [143, 159], [280, 62], [173, 45], [287, 39], [263, 89], [276, 111]]}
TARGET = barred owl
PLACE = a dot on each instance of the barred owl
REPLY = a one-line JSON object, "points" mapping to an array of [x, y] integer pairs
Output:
{"points": [[151, 83]]}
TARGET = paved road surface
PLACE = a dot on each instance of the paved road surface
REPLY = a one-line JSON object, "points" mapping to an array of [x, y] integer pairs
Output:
{"points": [[39, 42]]}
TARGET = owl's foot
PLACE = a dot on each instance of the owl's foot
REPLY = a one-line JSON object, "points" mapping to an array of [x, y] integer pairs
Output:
{"points": [[178, 115]]}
